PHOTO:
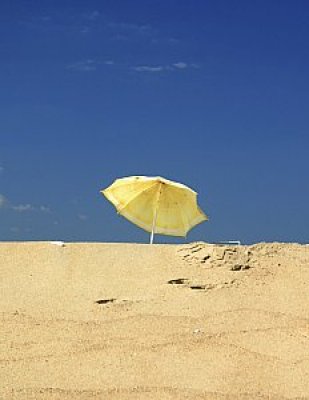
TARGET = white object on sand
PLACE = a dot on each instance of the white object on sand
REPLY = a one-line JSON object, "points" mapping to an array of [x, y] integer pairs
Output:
{"points": [[57, 243], [233, 242]]}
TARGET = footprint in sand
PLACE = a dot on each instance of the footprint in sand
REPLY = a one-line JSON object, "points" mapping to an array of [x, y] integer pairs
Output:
{"points": [[179, 281], [105, 301], [186, 283]]}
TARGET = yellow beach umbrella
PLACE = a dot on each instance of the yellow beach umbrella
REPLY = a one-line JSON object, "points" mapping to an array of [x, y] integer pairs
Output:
{"points": [[156, 204]]}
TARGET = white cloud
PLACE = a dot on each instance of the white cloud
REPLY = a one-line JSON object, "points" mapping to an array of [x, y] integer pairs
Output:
{"points": [[3, 201], [82, 217], [83, 66], [180, 65], [29, 207], [148, 68], [125, 27], [126, 31], [93, 65], [92, 16], [22, 207], [45, 18], [89, 65], [1, 169], [173, 41], [44, 209], [85, 29], [170, 67]]}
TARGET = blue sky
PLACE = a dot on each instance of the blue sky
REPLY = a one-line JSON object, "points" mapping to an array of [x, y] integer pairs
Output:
{"points": [[213, 94]]}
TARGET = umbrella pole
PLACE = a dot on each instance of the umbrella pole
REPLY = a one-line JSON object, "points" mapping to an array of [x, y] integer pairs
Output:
{"points": [[155, 216], [153, 226]]}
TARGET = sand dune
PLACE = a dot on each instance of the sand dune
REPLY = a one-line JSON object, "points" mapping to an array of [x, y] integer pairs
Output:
{"points": [[130, 321]]}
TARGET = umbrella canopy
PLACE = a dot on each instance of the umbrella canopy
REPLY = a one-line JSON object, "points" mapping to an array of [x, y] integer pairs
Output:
{"points": [[156, 204]]}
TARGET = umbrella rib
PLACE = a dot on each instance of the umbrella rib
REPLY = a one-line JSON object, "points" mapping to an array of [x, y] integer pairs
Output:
{"points": [[159, 231], [133, 198], [181, 212]]}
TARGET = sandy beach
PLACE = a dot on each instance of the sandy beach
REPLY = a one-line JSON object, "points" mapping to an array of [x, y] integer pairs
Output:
{"points": [[134, 321]]}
